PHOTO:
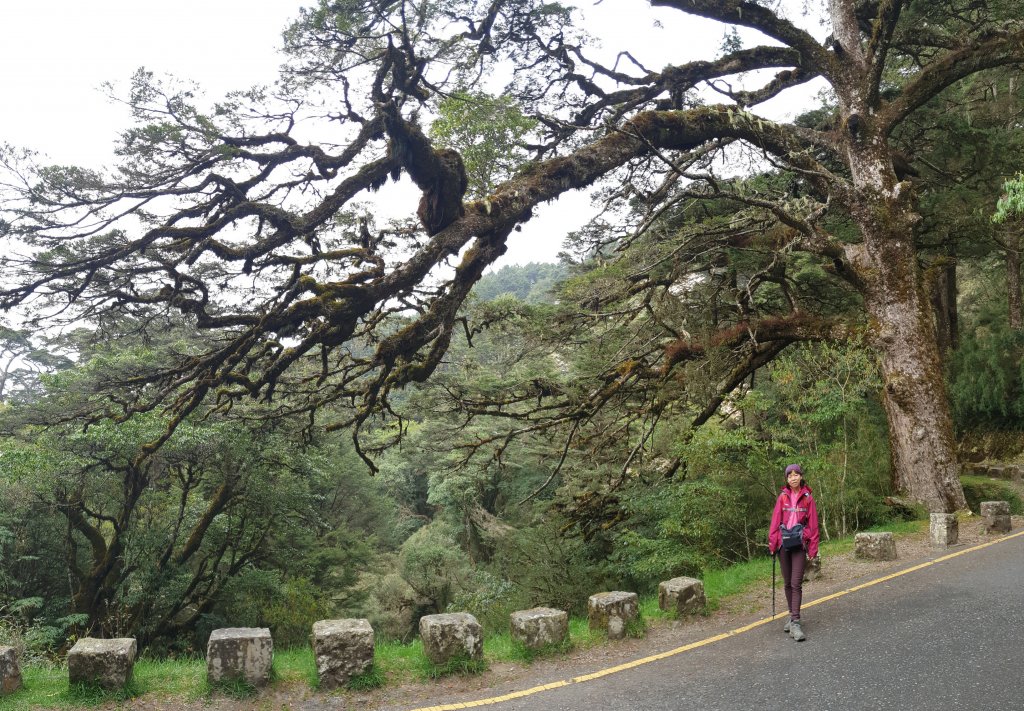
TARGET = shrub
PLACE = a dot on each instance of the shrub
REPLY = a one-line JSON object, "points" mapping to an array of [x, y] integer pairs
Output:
{"points": [[679, 528], [978, 489], [434, 566], [491, 600], [986, 379], [549, 569], [262, 598]]}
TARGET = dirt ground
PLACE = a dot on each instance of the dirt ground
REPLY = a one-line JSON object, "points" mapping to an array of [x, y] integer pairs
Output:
{"points": [[838, 572]]}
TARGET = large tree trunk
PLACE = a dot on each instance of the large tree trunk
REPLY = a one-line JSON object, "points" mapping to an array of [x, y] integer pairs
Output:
{"points": [[915, 399], [920, 424]]}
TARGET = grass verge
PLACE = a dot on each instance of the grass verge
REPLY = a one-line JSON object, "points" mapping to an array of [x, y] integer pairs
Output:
{"points": [[980, 488]]}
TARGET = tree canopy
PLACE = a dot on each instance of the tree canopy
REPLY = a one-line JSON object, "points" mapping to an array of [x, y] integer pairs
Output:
{"points": [[256, 227]]}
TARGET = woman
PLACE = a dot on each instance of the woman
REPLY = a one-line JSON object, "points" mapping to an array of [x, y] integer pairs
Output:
{"points": [[795, 506]]}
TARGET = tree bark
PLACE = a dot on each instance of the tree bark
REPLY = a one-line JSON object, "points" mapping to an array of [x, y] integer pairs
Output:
{"points": [[943, 287], [1013, 286], [914, 395]]}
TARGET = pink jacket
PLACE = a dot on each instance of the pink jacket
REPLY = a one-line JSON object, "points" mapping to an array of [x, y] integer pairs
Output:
{"points": [[795, 508]]}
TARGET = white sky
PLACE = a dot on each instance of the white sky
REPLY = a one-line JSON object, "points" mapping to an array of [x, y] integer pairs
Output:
{"points": [[56, 54]]}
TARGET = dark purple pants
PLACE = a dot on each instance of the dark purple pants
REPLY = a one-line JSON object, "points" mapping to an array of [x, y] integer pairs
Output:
{"points": [[793, 563]]}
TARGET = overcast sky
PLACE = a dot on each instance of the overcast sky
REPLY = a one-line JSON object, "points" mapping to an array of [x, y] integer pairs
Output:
{"points": [[56, 54]]}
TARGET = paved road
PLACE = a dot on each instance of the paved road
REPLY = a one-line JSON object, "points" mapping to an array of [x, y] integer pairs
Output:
{"points": [[947, 636]]}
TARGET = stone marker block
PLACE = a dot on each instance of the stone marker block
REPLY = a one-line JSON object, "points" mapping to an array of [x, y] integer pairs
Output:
{"points": [[812, 571], [996, 516], [611, 611], [450, 636], [875, 546], [973, 468], [539, 627], [684, 595], [10, 672], [343, 649], [944, 531], [240, 653], [1009, 472], [107, 663]]}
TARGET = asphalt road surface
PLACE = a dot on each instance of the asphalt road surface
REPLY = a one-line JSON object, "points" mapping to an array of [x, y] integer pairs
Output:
{"points": [[949, 636]]}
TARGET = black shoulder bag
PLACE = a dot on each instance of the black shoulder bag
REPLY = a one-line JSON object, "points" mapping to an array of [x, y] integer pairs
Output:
{"points": [[792, 538]]}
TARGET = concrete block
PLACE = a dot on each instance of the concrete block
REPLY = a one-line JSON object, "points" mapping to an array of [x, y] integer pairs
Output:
{"points": [[343, 649], [107, 663], [996, 516], [450, 636], [611, 611], [10, 671], [539, 627], [240, 653], [684, 595], [944, 531], [875, 546]]}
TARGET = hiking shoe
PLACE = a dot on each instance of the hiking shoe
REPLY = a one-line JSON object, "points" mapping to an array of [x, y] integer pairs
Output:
{"points": [[785, 627], [796, 632]]}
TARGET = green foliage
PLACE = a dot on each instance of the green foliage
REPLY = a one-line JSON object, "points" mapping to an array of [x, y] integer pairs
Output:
{"points": [[434, 566], [491, 600], [822, 408], [532, 283], [1011, 204], [978, 489], [986, 378], [679, 528], [488, 131], [390, 604], [223, 490], [289, 607], [549, 568]]}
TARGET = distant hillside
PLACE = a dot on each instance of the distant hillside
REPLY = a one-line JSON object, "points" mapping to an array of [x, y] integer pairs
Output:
{"points": [[531, 282]]}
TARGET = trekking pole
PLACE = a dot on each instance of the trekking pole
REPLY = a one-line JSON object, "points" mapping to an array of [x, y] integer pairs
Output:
{"points": [[773, 584]]}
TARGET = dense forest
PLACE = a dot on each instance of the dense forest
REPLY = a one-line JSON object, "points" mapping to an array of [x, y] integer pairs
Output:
{"points": [[232, 396]]}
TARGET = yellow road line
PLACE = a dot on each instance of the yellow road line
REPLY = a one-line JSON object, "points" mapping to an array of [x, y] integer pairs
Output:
{"points": [[709, 640]]}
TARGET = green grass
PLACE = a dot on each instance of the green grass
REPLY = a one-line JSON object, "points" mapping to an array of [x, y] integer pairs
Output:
{"points": [[637, 627], [231, 688], [582, 636], [47, 687], [650, 610], [724, 582], [456, 666], [184, 677], [898, 528], [502, 648], [980, 488], [372, 678], [41, 686], [398, 661], [297, 664]]}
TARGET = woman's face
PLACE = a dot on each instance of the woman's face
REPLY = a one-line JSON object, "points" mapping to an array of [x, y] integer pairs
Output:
{"points": [[793, 479]]}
